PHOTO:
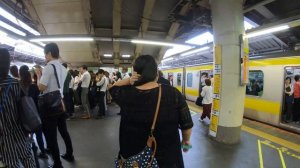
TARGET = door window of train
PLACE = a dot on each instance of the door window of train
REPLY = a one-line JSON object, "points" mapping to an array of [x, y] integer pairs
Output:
{"points": [[189, 82], [287, 116], [255, 86], [170, 78], [179, 79]]}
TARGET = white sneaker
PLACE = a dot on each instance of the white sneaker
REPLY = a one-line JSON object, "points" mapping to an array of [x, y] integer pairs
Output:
{"points": [[200, 120]]}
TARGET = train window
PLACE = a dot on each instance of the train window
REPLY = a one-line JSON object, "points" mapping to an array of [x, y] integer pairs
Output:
{"points": [[255, 86], [189, 80], [179, 79]]}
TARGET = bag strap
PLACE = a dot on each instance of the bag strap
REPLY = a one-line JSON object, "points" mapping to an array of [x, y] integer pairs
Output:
{"points": [[156, 111], [55, 73]]}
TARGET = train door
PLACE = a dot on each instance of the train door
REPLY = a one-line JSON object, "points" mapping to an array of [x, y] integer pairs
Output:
{"points": [[289, 113], [204, 74]]}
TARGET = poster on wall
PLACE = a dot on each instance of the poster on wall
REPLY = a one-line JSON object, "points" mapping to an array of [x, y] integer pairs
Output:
{"points": [[244, 55]]}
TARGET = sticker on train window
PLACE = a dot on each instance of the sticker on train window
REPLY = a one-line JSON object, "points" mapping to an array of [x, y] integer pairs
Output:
{"points": [[255, 86], [189, 80]]}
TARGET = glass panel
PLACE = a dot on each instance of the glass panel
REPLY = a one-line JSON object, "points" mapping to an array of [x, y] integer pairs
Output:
{"points": [[255, 86], [189, 80], [179, 79]]}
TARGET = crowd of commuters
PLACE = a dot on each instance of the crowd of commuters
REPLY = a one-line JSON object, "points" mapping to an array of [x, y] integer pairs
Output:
{"points": [[292, 100], [88, 93]]}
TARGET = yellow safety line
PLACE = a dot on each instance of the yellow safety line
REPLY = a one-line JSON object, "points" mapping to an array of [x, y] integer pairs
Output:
{"points": [[282, 159], [272, 138], [261, 161]]}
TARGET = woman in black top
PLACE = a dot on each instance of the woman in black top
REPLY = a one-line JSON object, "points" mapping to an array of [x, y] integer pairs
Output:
{"points": [[138, 103], [15, 145]]}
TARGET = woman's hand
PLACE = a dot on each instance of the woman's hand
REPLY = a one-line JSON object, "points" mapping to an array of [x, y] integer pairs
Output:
{"points": [[135, 77], [186, 146]]}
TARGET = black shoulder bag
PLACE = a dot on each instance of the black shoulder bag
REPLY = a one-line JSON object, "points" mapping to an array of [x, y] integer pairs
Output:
{"points": [[51, 104]]}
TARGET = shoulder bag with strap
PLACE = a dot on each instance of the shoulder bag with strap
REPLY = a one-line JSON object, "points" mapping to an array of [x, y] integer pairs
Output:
{"points": [[28, 113], [51, 104], [144, 159]]}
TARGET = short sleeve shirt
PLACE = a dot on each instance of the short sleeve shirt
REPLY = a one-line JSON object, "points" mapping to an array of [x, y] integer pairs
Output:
{"points": [[48, 77], [85, 79]]}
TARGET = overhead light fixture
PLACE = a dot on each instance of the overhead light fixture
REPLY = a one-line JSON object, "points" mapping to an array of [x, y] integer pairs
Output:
{"points": [[194, 51], [167, 59], [63, 39], [126, 56], [201, 39], [157, 43], [107, 55], [2, 34], [12, 29], [267, 31], [18, 22]]}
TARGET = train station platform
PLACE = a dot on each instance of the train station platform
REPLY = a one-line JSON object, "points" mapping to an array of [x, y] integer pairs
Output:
{"points": [[262, 146]]}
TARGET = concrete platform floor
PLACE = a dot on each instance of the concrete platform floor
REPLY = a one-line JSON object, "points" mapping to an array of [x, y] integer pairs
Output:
{"points": [[96, 144]]}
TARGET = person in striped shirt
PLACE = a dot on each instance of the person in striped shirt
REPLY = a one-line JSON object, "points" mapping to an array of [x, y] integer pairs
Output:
{"points": [[15, 145]]}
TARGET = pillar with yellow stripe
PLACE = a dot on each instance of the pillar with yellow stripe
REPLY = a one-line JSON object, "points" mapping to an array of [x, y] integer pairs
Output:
{"points": [[229, 93]]}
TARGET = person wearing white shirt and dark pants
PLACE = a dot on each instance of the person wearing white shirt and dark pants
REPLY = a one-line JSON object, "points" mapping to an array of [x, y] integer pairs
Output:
{"points": [[207, 94], [51, 82], [124, 73], [85, 83], [101, 87]]}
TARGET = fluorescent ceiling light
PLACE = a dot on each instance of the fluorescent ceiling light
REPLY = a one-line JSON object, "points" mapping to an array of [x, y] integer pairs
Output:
{"points": [[107, 55], [2, 34], [29, 49], [201, 39], [194, 51], [63, 39], [18, 22], [156, 43], [267, 31], [126, 56], [167, 59], [176, 50], [12, 29], [7, 40]]}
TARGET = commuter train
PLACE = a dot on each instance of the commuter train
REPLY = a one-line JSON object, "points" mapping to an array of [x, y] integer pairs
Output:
{"points": [[264, 92]]}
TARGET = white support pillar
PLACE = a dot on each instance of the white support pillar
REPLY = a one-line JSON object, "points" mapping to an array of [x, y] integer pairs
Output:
{"points": [[228, 105]]}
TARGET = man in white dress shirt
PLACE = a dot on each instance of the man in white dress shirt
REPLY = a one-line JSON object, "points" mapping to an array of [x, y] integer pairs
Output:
{"points": [[85, 83]]}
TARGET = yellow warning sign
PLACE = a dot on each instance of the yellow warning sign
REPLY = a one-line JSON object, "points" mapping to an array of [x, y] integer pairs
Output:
{"points": [[217, 84], [218, 54], [216, 105], [214, 123]]}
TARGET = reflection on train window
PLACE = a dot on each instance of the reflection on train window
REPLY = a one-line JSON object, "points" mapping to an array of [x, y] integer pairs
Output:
{"points": [[189, 80], [255, 86], [179, 79]]}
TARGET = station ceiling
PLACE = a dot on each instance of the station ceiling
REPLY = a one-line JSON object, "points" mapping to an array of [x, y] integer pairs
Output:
{"points": [[163, 20]]}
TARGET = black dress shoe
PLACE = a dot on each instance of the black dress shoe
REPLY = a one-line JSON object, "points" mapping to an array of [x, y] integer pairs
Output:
{"points": [[69, 158]]}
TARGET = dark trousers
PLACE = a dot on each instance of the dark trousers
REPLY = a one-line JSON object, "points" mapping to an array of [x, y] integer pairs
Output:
{"points": [[296, 114], [40, 140], [206, 111], [50, 125], [69, 102], [288, 110], [34, 150], [101, 103]]}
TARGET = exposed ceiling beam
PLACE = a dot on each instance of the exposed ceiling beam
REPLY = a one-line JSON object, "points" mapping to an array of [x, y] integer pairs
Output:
{"points": [[265, 12], [98, 29], [262, 3], [172, 32], [35, 17], [148, 8], [86, 8], [117, 8]]}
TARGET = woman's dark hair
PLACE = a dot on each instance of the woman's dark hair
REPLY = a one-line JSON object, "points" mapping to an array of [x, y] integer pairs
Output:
{"points": [[5, 63], [296, 77], [100, 71], [145, 66], [288, 78], [14, 71], [84, 67], [25, 76], [119, 76], [53, 49], [207, 82]]}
